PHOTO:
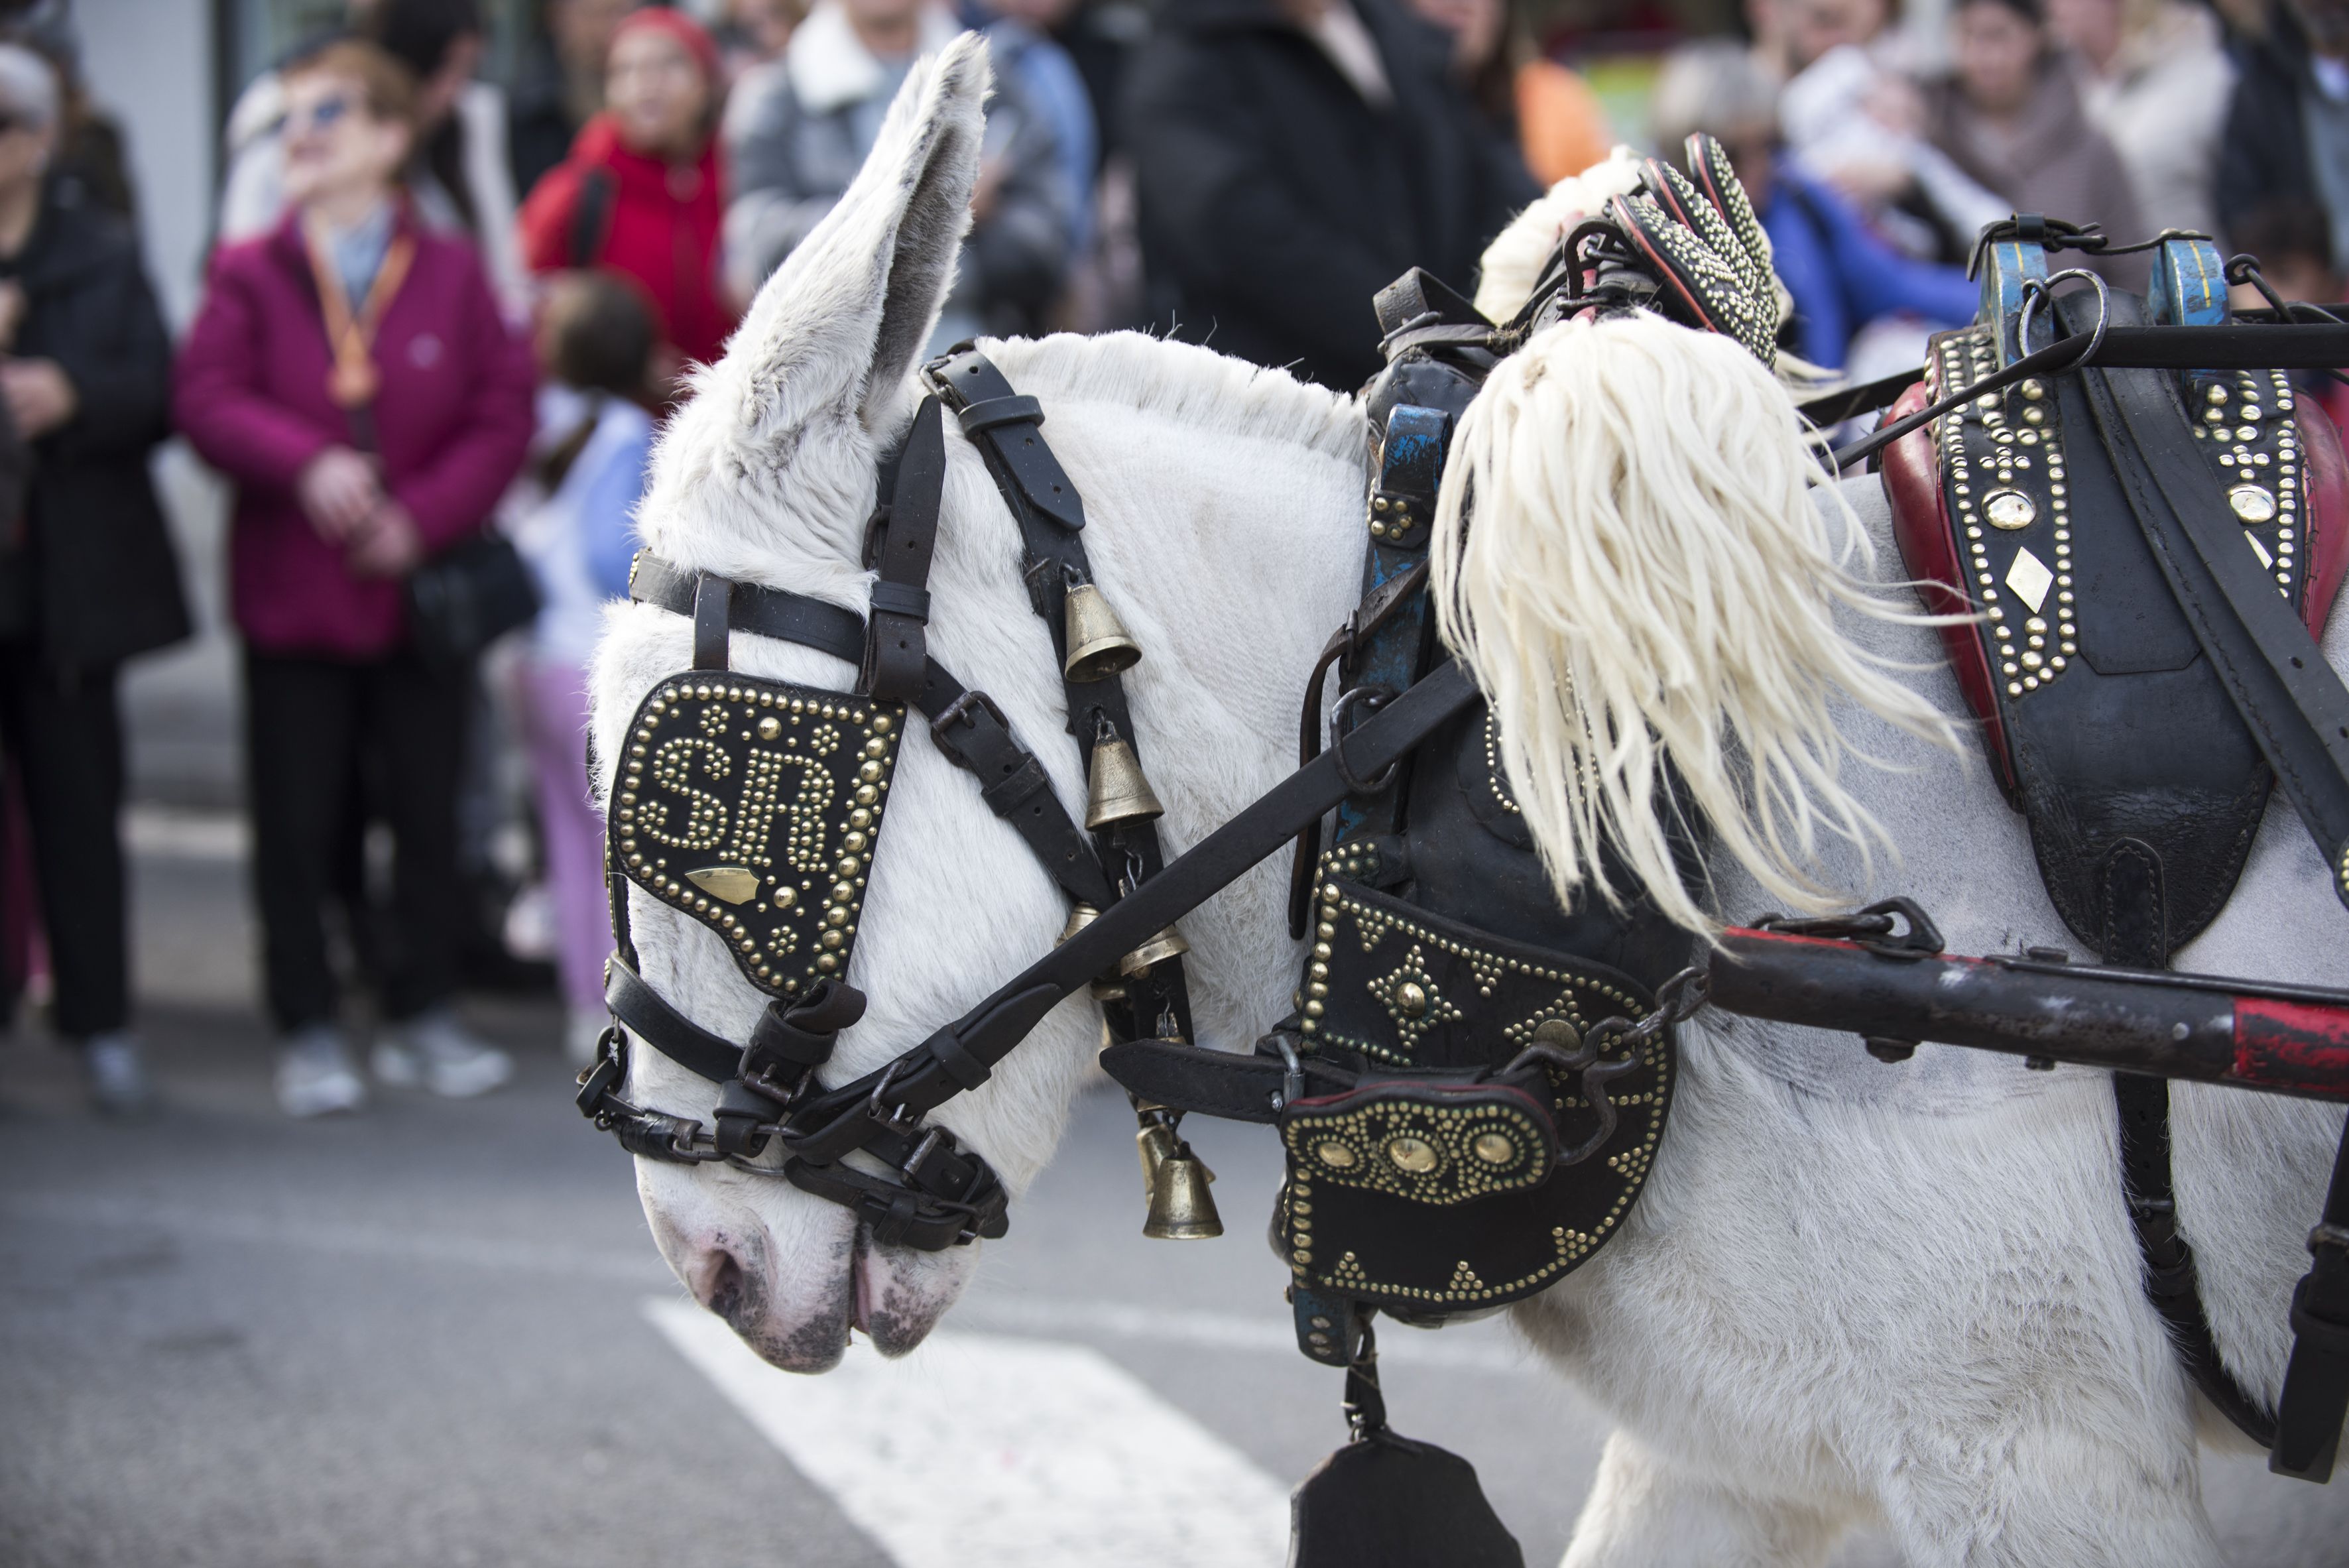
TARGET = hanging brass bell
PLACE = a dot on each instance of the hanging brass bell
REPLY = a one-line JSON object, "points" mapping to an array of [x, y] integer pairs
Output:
{"points": [[1117, 791], [1098, 644], [1181, 1207], [1156, 1144], [1080, 917], [1168, 944]]}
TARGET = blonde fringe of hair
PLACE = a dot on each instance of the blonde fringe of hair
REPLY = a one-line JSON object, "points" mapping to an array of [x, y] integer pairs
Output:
{"points": [[1648, 576]]}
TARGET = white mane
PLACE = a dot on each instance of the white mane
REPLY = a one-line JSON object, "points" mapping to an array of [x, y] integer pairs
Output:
{"points": [[1207, 392], [1647, 576]]}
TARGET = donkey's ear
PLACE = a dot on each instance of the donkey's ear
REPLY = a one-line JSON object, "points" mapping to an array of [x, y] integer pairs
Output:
{"points": [[848, 314]]}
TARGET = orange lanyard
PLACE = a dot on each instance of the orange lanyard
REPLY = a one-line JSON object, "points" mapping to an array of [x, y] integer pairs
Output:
{"points": [[353, 380]]}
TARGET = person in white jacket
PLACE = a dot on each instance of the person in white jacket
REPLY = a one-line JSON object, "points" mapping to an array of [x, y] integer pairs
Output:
{"points": [[458, 178], [2155, 79]]}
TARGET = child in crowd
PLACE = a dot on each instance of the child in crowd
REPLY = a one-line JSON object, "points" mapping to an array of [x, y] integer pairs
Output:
{"points": [[599, 350]]}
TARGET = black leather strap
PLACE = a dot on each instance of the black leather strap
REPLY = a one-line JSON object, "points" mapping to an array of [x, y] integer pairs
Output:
{"points": [[920, 1080], [652, 1020], [1006, 428], [2134, 932], [2316, 1381], [1224, 1084], [2294, 706], [774, 613], [968, 729], [2170, 1281], [993, 411], [895, 646], [713, 623]]}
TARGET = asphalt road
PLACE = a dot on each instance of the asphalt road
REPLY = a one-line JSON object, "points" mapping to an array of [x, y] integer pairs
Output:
{"points": [[435, 1333]]}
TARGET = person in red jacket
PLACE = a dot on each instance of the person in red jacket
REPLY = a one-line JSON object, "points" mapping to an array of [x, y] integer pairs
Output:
{"points": [[351, 375], [643, 191]]}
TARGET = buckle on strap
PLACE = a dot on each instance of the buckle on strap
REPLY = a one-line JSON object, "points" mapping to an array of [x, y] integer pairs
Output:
{"points": [[963, 710], [896, 1119]]}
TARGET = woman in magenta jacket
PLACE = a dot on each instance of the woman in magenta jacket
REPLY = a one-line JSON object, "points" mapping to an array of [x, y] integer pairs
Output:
{"points": [[351, 375]]}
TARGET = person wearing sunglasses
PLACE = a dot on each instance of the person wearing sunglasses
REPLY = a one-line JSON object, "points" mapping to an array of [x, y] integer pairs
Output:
{"points": [[87, 576], [351, 375]]}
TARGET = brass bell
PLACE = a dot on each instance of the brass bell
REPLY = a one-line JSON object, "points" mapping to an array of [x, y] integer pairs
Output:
{"points": [[1181, 1207], [1080, 917], [1098, 644], [1156, 1144], [1168, 944], [1117, 791]]}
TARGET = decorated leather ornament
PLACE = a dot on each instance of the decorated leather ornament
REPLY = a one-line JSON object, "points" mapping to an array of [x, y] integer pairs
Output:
{"points": [[754, 806]]}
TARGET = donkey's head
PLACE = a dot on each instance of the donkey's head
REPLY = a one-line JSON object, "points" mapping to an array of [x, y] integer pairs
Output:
{"points": [[767, 476]]}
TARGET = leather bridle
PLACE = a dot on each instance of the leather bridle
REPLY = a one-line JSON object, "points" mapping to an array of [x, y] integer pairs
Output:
{"points": [[772, 1117]]}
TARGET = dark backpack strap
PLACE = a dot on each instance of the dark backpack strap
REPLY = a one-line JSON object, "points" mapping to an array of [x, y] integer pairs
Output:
{"points": [[591, 219]]}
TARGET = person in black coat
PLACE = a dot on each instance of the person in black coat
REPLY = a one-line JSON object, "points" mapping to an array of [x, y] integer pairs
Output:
{"points": [[2287, 140], [87, 576], [1293, 158]]}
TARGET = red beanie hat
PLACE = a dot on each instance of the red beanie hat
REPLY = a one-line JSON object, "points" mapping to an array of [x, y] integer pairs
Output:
{"points": [[687, 34]]}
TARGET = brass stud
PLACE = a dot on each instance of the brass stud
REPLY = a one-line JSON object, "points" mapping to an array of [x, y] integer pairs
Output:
{"points": [[770, 727], [1412, 1154], [1558, 1033]]}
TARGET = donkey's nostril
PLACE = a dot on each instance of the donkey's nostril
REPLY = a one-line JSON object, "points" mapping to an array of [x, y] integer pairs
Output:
{"points": [[721, 1284]]}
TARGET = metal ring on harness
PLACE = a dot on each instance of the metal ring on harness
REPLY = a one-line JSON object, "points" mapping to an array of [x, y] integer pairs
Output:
{"points": [[1370, 698], [2036, 289]]}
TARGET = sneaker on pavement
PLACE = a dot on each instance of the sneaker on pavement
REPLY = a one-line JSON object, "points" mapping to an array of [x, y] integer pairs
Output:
{"points": [[434, 1051], [116, 1070], [314, 1075]]}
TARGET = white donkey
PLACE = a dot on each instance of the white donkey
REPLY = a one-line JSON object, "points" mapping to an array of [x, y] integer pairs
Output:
{"points": [[1851, 1292]]}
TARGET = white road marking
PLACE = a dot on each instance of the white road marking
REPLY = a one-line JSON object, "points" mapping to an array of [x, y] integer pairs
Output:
{"points": [[978, 1451]]}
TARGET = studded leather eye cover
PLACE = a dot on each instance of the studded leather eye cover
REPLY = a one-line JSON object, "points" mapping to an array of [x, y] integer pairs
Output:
{"points": [[754, 806], [1431, 1142]]}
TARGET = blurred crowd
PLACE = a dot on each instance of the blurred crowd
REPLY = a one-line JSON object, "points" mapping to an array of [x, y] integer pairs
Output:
{"points": [[443, 317]]}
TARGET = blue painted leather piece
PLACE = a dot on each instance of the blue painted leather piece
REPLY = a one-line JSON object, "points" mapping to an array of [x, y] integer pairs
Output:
{"points": [[2006, 266], [2190, 284]]}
